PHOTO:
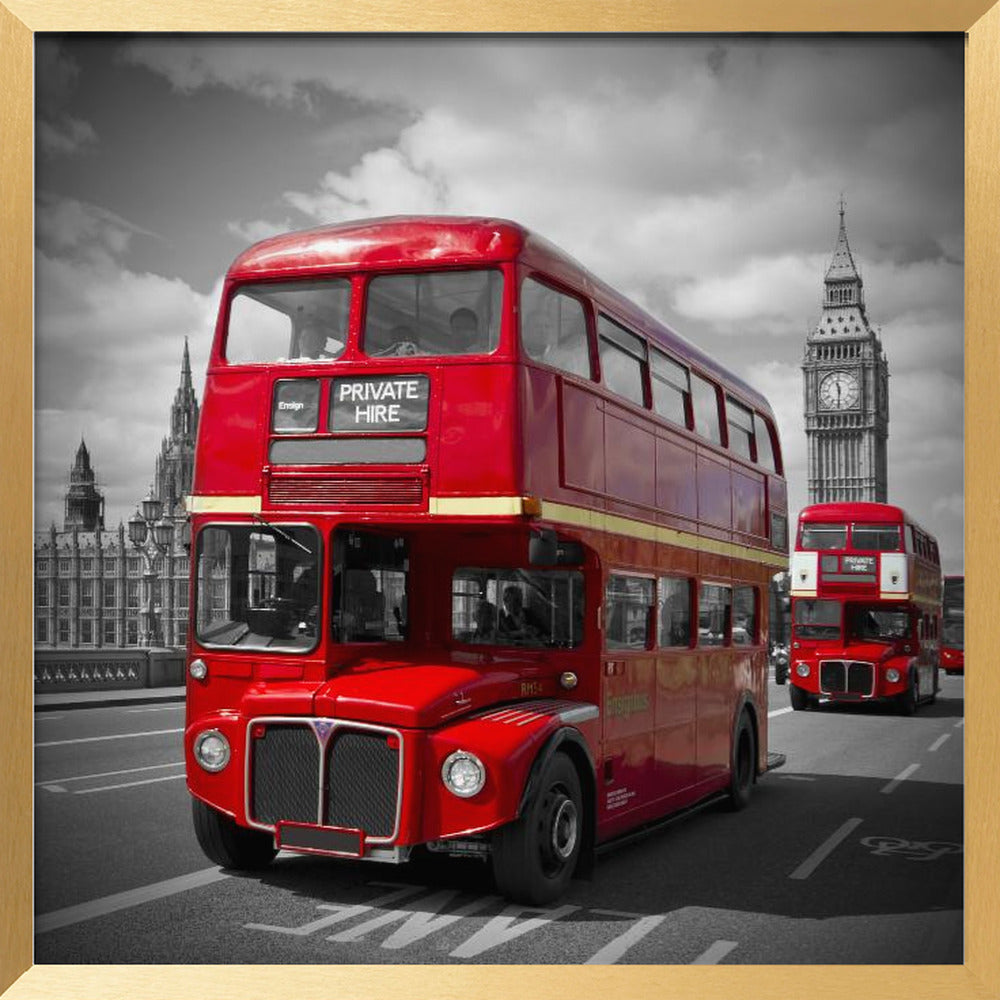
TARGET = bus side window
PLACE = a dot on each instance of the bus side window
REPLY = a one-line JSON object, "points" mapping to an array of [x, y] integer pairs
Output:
{"points": [[674, 619], [554, 328], [714, 614], [628, 600]]}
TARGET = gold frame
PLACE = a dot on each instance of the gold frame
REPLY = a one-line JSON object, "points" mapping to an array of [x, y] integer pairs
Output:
{"points": [[978, 977]]}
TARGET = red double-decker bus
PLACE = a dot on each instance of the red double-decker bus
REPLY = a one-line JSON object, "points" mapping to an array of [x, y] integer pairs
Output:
{"points": [[953, 625], [481, 555], [866, 607]]}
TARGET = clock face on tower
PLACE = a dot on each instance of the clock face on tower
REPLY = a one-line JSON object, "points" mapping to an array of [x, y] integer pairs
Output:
{"points": [[839, 391]]}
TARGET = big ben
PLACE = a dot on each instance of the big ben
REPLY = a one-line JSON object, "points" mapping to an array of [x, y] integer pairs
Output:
{"points": [[846, 391]]}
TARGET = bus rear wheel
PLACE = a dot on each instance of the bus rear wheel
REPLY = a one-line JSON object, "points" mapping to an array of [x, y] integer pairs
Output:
{"points": [[744, 765], [798, 697], [228, 844], [534, 857]]}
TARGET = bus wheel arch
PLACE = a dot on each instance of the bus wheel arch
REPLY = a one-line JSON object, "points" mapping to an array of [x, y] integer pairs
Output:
{"points": [[552, 838]]}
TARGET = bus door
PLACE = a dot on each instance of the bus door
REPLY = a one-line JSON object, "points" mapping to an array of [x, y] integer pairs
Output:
{"points": [[628, 695]]}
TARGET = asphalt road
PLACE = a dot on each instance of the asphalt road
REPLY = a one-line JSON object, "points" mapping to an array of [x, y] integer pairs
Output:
{"points": [[851, 853]]}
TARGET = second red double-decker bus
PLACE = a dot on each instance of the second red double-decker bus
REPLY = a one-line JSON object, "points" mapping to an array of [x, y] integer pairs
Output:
{"points": [[481, 558], [866, 607], [953, 625]]}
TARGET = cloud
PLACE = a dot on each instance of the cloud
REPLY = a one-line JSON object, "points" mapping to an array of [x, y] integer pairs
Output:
{"points": [[56, 75]]}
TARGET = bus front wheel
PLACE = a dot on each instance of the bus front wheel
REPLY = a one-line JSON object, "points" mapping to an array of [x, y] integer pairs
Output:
{"points": [[228, 844], [910, 698], [534, 856], [798, 697]]}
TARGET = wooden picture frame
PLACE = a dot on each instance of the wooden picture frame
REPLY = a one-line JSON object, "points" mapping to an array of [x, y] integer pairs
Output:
{"points": [[980, 974]]}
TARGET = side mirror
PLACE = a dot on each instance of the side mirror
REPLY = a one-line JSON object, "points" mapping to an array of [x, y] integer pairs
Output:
{"points": [[543, 548]]}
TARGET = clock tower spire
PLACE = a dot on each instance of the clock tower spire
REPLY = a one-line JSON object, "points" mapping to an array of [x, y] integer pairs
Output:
{"points": [[846, 390]]}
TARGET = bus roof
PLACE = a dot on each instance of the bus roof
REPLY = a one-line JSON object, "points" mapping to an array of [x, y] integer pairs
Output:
{"points": [[403, 241], [844, 512]]}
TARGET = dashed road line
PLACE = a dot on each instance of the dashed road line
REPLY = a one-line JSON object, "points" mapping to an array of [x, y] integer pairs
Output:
{"points": [[108, 774], [941, 739], [614, 950], [780, 711], [129, 784], [57, 919], [825, 849], [960, 723], [714, 954], [115, 736], [156, 708], [901, 777], [796, 777]]}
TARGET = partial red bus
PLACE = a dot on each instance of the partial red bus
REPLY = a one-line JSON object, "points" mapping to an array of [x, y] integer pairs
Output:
{"points": [[481, 556], [866, 607], [953, 627]]}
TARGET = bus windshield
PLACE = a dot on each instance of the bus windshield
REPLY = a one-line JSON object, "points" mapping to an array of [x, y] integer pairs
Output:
{"points": [[258, 586], [513, 607], [820, 537], [289, 321], [953, 634], [817, 619], [879, 623], [433, 312]]}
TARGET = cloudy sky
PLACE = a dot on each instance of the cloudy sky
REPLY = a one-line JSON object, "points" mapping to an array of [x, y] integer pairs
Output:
{"points": [[701, 175]]}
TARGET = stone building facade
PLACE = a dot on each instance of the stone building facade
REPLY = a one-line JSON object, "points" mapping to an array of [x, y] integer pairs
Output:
{"points": [[90, 582], [846, 377]]}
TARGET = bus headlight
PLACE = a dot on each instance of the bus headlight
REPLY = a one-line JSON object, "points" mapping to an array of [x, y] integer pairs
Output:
{"points": [[198, 669], [211, 750], [892, 675], [802, 669], [463, 774]]}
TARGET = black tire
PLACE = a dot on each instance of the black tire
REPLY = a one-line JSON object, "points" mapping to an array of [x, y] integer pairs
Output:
{"points": [[935, 686], [743, 768], [781, 674], [910, 698], [228, 844], [535, 856], [799, 698]]}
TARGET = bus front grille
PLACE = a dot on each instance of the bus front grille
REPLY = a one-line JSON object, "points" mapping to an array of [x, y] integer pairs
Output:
{"points": [[847, 677], [347, 490], [362, 782], [285, 764]]}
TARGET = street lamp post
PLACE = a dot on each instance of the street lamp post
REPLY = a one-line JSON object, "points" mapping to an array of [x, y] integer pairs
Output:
{"points": [[150, 534]]}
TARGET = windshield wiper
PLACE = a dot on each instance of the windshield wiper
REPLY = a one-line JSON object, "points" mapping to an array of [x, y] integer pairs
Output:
{"points": [[284, 534]]}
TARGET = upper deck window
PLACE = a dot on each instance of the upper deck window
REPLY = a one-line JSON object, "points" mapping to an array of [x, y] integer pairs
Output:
{"points": [[875, 537], [705, 399], [822, 537], [740, 421], [765, 451], [288, 321], [433, 313], [623, 359], [554, 328], [671, 388]]}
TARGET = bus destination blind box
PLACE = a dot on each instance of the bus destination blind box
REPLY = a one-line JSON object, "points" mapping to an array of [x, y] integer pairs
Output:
{"points": [[361, 405]]}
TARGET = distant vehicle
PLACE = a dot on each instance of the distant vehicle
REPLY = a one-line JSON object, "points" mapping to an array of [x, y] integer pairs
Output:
{"points": [[953, 630], [866, 607], [779, 663]]}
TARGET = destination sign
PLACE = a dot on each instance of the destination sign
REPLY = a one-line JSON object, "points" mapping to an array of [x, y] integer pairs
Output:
{"points": [[361, 405], [858, 564]]}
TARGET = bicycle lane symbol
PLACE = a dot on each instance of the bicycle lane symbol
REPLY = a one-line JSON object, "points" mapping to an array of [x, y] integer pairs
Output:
{"points": [[911, 850]]}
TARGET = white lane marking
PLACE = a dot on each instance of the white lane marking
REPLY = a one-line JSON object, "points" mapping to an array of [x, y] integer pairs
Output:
{"points": [[57, 919], [116, 736], [502, 929], [938, 742], [129, 784], [54, 788], [796, 777], [960, 723], [157, 708], [714, 954], [341, 912], [110, 774], [424, 919], [825, 849], [779, 711], [614, 949], [45, 716], [902, 776]]}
